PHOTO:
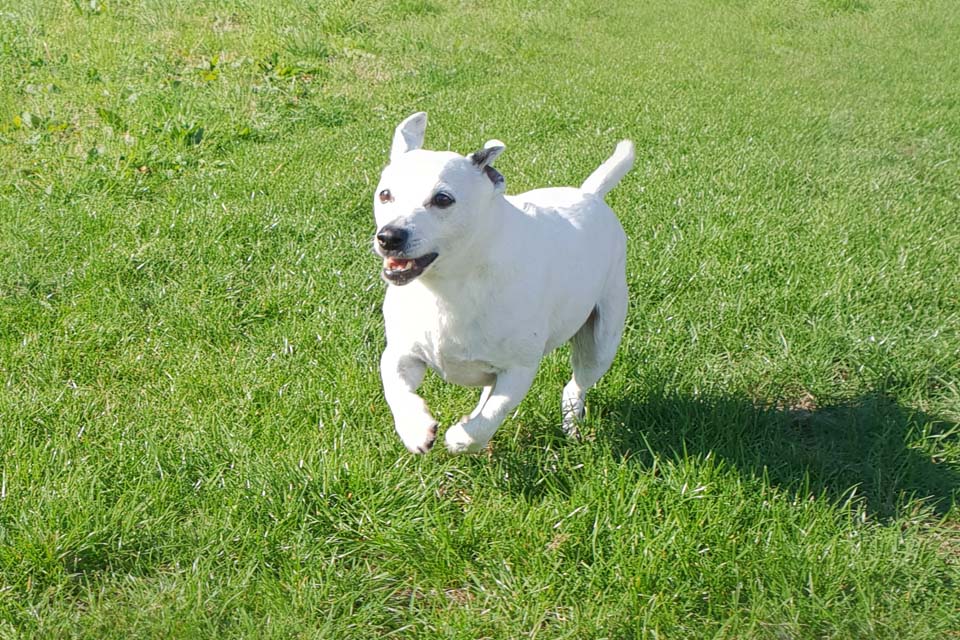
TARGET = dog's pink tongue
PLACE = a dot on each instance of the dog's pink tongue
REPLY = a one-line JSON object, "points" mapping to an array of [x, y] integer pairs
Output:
{"points": [[396, 263]]}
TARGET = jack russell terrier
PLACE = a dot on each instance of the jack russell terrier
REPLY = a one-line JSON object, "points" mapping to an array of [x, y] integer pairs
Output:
{"points": [[481, 285]]}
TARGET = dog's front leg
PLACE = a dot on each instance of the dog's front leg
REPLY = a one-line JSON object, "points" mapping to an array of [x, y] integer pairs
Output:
{"points": [[471, 434], [402, 374]]}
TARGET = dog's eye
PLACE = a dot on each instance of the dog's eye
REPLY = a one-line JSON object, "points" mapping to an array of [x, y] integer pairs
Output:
{"points": [[386, 196], [442, 200]]}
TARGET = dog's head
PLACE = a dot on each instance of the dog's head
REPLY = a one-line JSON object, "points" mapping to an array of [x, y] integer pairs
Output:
{"points": [[429, 205]]}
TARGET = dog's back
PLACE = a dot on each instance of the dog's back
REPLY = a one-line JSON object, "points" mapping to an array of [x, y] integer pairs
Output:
{"points": [[573, 245]]}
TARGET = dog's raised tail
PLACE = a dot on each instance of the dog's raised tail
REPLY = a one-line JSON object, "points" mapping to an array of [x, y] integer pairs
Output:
{"points": [[612, 171]]}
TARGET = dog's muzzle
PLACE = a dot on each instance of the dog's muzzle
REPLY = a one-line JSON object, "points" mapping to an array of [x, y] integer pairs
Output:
{"points": [[397, 267]]}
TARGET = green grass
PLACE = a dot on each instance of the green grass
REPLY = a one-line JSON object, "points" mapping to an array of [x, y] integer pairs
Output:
{"points": [[194, 442]]}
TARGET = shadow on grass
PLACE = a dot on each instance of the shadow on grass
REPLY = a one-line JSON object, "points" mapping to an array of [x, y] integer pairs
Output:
{"points": [[871, 448], [871, 445]]}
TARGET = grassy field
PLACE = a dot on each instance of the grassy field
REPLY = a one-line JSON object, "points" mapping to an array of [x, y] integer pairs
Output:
{"points": [[193, 437]]}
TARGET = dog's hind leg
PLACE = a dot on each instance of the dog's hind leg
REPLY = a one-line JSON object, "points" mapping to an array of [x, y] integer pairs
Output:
{"points": [[593, 348]]}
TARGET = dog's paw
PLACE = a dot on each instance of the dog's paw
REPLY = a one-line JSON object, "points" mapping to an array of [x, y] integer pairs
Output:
{"points": [[573, 411], [418, 438], [571, 428], [459, 441], [424, 443]]}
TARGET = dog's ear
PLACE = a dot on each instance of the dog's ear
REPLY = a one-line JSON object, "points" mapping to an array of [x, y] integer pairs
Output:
{"points": [[408, 135], [485, 157], [488, 154]]}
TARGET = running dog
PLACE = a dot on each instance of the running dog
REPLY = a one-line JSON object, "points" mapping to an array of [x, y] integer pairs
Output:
{"points": [[481, 285]]}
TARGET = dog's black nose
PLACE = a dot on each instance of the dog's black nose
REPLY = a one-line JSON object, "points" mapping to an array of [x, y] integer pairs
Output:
{"points": [[392, 238]]}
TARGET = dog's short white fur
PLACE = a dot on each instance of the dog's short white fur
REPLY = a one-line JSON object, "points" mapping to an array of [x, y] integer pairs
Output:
{"points": [[482, 285]]}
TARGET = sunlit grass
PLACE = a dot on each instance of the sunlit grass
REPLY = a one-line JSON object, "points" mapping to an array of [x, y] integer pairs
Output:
{"points": [[193, 437]]}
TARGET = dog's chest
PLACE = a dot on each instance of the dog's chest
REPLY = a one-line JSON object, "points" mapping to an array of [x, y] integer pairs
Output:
{"points": [[461, 349], [467, 344]]}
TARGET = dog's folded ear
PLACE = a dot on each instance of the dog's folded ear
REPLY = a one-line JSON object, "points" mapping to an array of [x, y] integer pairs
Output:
{"points": [[488, 154], [485, 157], [408, 135]]}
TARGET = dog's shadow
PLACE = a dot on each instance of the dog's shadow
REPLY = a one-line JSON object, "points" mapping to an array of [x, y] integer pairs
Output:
{"points": [[872, 447]]}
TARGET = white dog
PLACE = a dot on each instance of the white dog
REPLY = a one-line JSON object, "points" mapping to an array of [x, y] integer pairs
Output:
{"points": [[482, 285]]}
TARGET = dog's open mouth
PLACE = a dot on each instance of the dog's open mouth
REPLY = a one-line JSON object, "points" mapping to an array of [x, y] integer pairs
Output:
{"points": [[400, 271]]}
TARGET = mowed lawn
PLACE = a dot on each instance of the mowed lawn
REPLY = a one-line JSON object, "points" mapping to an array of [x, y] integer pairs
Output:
{"points": [[193, 435]]}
